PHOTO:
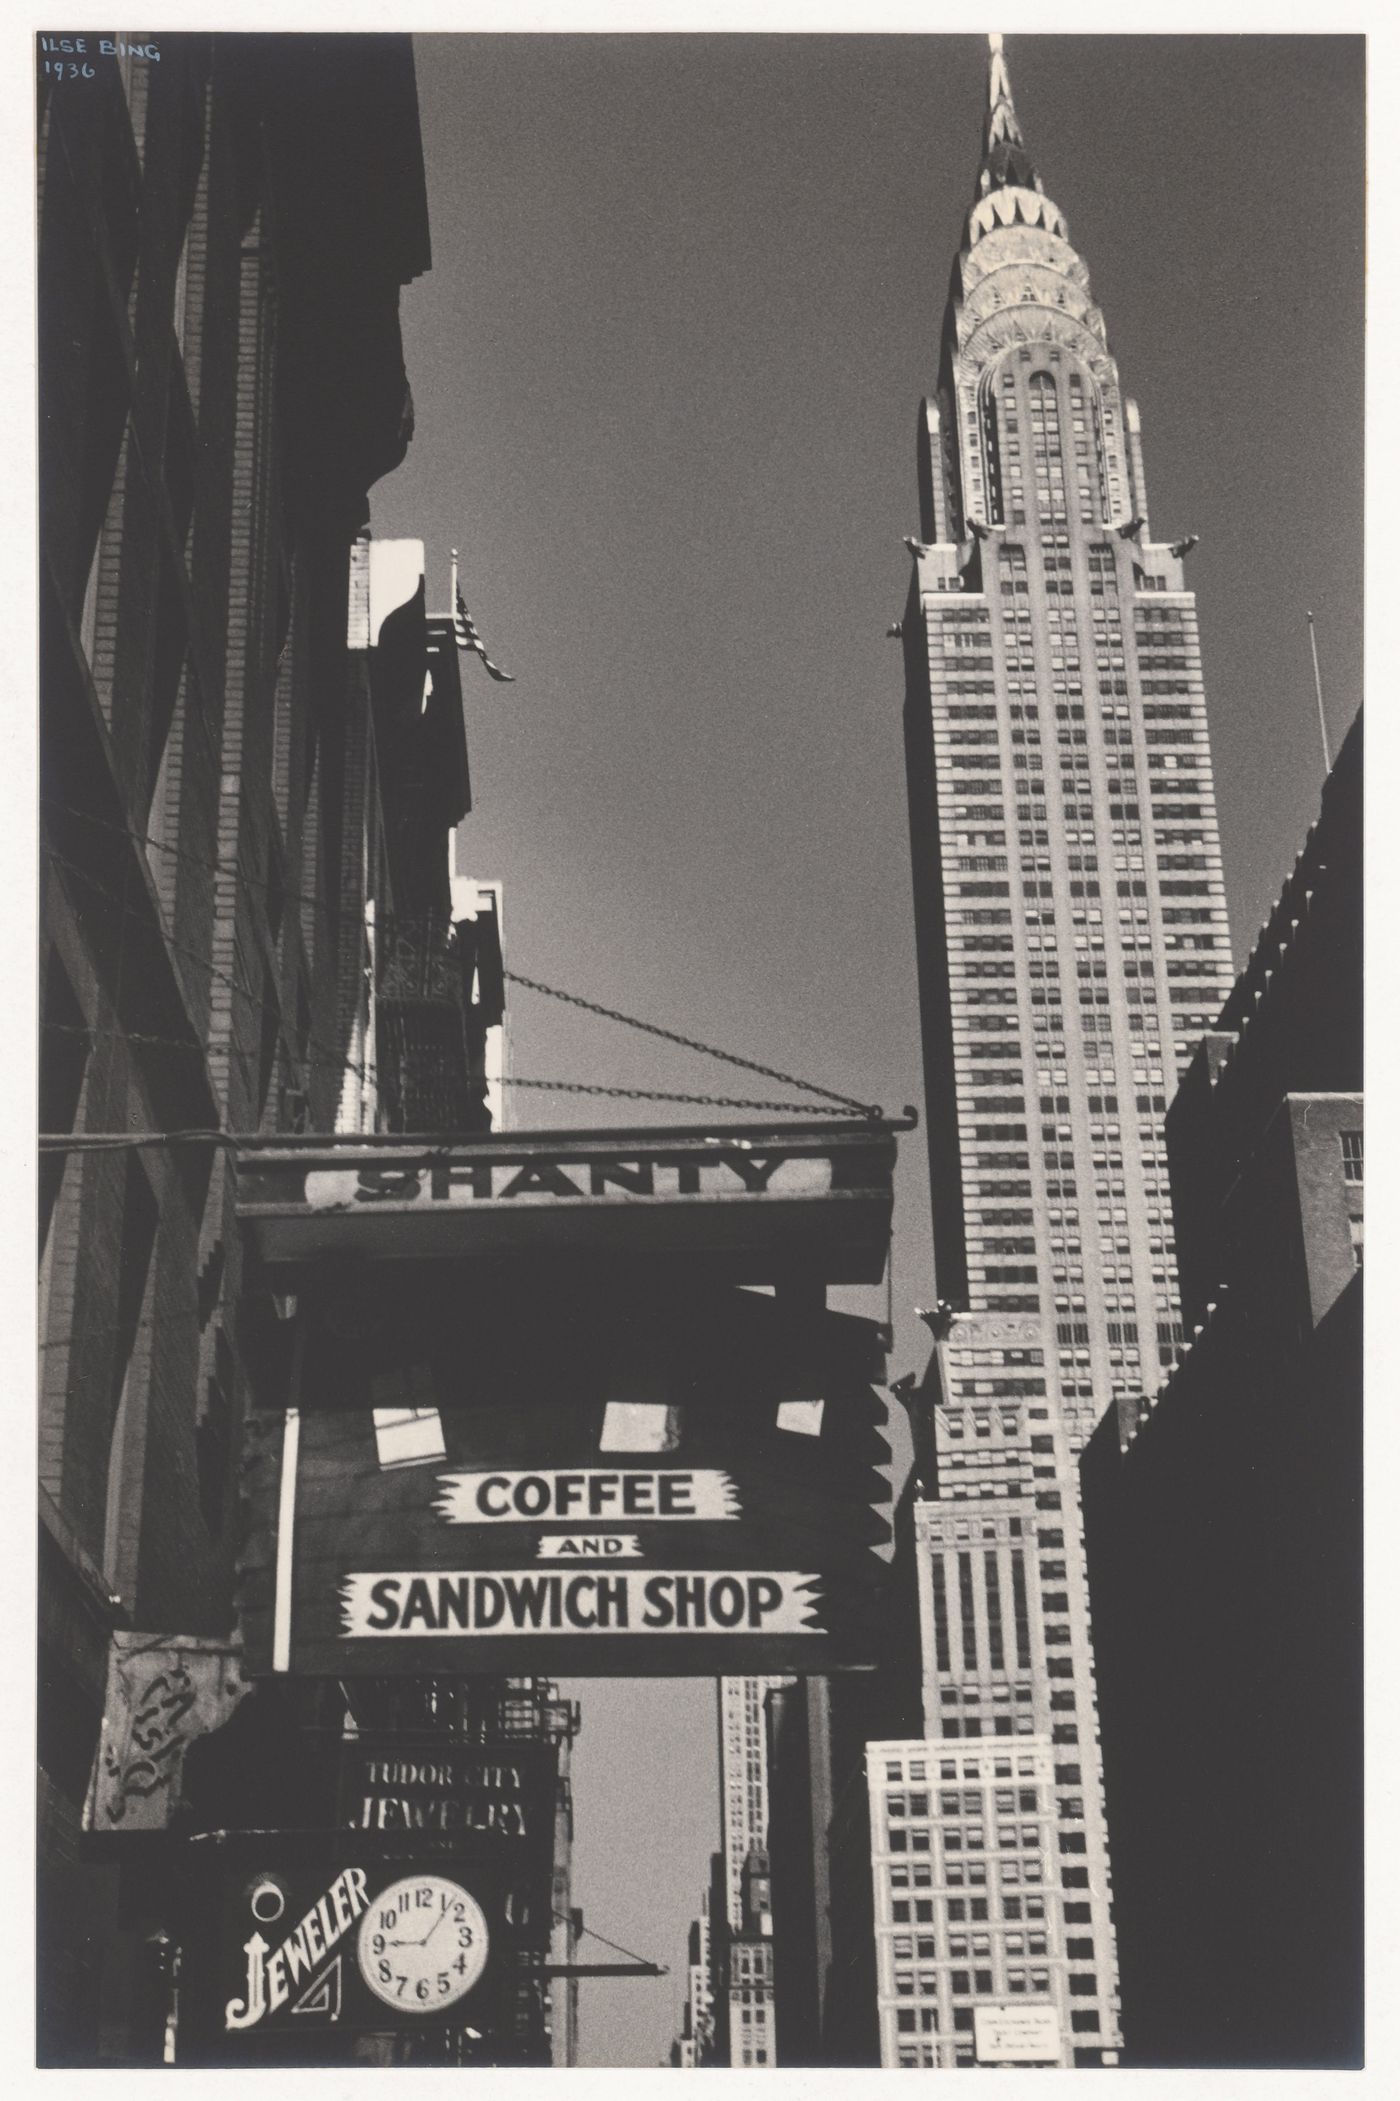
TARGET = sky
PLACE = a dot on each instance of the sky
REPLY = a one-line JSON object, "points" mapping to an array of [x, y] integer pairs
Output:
{"points": [[686, 296]]}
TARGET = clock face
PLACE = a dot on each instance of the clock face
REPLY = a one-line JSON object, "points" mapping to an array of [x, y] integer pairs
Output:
{"points": [[423, 1943]]}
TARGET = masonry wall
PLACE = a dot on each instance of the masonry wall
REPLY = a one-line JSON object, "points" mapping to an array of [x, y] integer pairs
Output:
{"points": [[193, 675], [1225, 1541], [1225, 1564]]}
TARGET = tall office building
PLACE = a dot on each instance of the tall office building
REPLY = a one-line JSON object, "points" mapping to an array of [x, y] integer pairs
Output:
{"points": [[743, 1774], [749, 2022], [691, 2048], [743, 1983], [1072, 946], [706, 2036]]}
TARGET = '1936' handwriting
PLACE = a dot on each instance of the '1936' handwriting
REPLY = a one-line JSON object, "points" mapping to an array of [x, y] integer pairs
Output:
{"points": [[70, 57]]}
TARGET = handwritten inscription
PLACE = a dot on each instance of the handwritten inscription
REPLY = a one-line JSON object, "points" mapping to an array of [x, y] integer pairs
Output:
{"points": [[161, 1694], [156, 1739], [71, 57]]}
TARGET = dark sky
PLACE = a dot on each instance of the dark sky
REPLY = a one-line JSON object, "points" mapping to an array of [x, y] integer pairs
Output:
{"points": [[686, 296]]}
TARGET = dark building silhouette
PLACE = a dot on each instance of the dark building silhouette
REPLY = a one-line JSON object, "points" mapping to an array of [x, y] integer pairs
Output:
{"points": [[716, 2043], [222, 237], [805, 1762], [819, 1845], [252, 753], [692, 2046], [1224, 1542], [799, 1814], [850, 2027]]}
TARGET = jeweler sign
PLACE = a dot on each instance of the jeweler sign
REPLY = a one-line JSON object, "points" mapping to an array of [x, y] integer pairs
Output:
{"points": [[749, 1544], [357, 1938]]}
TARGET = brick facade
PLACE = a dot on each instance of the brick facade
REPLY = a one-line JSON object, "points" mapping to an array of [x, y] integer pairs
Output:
{"points": [[1224, 1542], [201, 490]]}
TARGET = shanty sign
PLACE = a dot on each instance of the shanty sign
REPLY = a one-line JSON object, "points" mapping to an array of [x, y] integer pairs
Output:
{"points": [[754, 1197], [744, 1547]]}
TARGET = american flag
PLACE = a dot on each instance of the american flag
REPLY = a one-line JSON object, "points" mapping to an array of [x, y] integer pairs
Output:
{"points": [[468, 638]]}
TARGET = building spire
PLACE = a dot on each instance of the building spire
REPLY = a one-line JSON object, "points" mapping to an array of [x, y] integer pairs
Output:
{"points": [[1005, 161]]}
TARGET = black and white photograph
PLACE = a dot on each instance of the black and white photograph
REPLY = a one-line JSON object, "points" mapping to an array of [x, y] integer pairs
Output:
{"points": [[697, 936]]}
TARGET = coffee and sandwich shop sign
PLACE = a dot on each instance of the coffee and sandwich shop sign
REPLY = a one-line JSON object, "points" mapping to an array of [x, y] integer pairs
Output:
{"points": [[554, 1530], [569, 1404]]}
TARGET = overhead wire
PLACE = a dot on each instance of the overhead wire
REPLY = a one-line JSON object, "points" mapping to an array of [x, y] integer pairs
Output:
{"points": [[132, 1141], [340, 1059], [650, 1094], [217, 866], [183, 948], [826, 1102], [80, 1333], [239, 873]]}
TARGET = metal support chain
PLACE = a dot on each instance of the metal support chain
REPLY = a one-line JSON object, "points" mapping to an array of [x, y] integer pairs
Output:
{"points": [[223, 868], [690, 1043], [706, 1101]]}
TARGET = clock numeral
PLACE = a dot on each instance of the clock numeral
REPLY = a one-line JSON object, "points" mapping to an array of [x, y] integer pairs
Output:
{"points": [[408, 1971]]}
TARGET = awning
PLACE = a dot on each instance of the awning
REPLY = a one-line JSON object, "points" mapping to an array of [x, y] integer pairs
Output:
{"points": [[757, 1202]]}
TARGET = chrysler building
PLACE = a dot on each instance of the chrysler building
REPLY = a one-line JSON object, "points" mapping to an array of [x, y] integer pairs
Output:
{"points": [[1072, 946]]}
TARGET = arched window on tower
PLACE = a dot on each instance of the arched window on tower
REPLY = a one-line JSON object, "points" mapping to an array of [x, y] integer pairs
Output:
{"points": [[952, 479], [1047, 457], [991, 451], [1086, 437], [1013, 481]]}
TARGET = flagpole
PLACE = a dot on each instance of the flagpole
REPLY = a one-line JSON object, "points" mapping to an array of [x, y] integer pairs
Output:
{"points": [[1317, 682], [452, 587]]}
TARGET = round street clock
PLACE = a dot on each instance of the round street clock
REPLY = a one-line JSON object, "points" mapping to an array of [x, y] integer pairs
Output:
{"points": [[422, 1943]]}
